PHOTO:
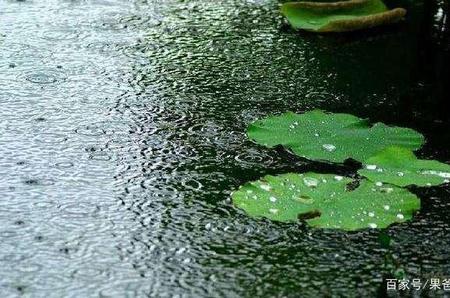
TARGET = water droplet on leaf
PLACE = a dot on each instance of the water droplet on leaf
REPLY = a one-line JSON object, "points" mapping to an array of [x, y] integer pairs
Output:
{"points": [[311, 182], [329, 147]]}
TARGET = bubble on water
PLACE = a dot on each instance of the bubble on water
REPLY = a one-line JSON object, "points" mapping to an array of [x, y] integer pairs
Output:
{"points": [[400, 216], [329, 147], [273, 199], [310, 182], [372, 225], [273, 211], [265, 187], [371, 167]]}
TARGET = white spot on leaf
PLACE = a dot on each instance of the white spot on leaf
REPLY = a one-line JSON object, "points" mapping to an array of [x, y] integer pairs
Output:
{"points": [[265, 187], [329, 147], [338, 178], [310, 182]]}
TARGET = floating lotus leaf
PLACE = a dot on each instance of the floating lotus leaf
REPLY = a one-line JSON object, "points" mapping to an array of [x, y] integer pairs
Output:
{"points": [[333, 137], [401, 167], [324, 201], [340, 16]]}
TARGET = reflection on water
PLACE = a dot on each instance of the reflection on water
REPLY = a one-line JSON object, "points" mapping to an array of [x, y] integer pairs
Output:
{"points": [[122, 135]]}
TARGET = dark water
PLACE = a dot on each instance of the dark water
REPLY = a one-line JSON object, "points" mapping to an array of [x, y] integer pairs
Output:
{"points": [[122, 135]]}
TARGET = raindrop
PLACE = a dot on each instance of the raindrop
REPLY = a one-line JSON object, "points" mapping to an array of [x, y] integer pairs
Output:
{"points": [[265, 187], [371, 167], [440, 174], [316, 135], [400, 174], [387, 189], [273, 211], [180, 251], [372, 225], [371, 214], [400, 216], [329, 147], [273, 199], [304, 199], [64, 164], [41, 78], [386, 207], [338, 178], [310, 182], [379, 184]]}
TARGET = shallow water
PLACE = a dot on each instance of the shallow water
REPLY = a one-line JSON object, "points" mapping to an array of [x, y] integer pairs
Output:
{"points": [[122, 135]]}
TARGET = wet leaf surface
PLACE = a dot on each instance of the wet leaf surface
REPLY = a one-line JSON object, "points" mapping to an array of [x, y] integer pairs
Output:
{"points": [[340, 16], [324, 201], [401, 167], [318, 135]]}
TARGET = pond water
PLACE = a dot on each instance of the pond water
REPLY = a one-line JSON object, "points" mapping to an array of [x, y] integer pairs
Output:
{"points": [[122, 135]]}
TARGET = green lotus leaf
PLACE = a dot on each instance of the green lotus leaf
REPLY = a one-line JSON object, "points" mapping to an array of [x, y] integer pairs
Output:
{"points": [[318, 135], [401, 167], [325, 201], [340, 16]]}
